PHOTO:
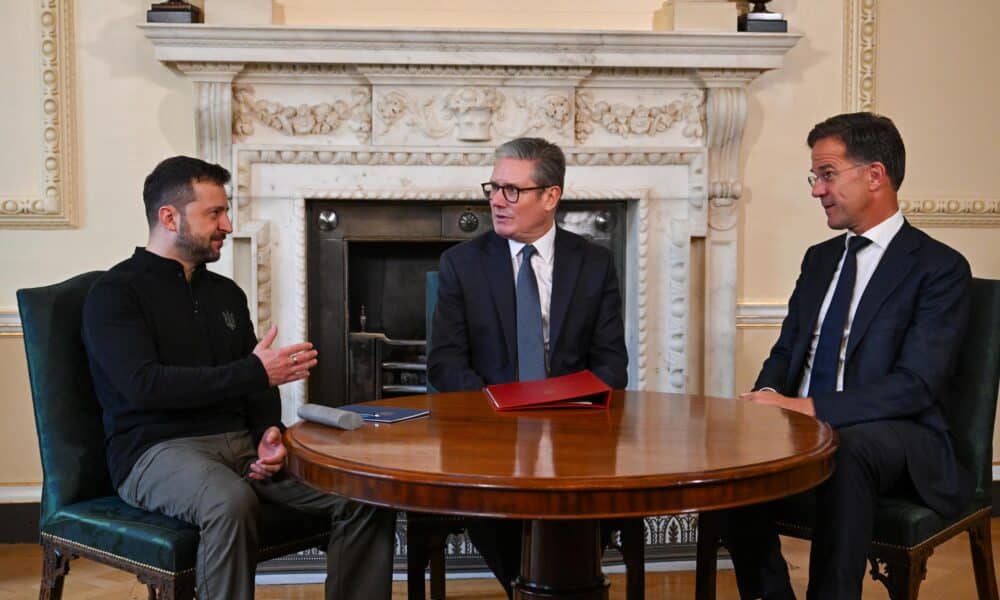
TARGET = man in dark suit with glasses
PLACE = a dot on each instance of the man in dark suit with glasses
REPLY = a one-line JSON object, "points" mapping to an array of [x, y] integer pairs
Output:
{"points": [[525, 301]]}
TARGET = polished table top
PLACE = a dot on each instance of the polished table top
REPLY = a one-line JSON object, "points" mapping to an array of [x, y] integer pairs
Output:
{"points": [[650, 453]]}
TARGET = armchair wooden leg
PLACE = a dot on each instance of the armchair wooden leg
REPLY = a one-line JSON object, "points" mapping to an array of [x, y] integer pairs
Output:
{"points": [[55, 567], [170, 588], [982, 558], [706, 557], [634, 553], [905, 574]]}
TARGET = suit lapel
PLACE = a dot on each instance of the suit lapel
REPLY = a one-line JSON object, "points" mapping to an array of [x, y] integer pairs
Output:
{"points": [[565, 270], [500, 275], [895, 265], [818, 275]]}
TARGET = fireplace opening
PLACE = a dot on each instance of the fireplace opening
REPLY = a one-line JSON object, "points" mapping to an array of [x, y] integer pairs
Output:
{"points": [[367, 262]]}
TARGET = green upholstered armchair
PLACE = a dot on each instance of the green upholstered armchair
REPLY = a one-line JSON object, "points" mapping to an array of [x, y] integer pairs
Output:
{"points": [[81, 514], [906, 533], [426, 534]]}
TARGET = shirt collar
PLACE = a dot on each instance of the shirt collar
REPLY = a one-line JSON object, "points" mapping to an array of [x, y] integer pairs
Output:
{"points": [[150, 260], [544, 246], [882, 234]]}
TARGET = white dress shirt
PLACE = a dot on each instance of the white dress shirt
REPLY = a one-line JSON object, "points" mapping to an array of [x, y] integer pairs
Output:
{"points": [[868, 259], [541, 261]]}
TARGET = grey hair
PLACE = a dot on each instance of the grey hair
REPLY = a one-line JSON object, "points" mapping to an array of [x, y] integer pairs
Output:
{"points": [[550, 162]]}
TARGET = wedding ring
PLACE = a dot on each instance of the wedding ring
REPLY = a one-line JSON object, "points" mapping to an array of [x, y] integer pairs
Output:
{"points": [[295, 359]]}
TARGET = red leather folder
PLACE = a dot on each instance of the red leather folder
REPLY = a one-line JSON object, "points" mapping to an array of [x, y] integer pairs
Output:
{"points": [[579, 390]]}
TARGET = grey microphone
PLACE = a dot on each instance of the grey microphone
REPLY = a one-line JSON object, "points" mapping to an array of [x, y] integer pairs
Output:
{"points": [[327, 415]]}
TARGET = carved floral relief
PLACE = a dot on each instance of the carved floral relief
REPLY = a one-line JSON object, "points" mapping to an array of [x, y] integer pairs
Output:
{"points": [[474, 113], [627, 121], [304, 119]]}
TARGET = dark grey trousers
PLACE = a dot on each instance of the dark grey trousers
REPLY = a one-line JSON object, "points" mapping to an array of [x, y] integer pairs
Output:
{"points": [[202, 480]]}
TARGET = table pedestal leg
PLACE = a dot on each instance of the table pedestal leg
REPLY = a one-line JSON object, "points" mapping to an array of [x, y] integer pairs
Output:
{"points": [[561, 559]]}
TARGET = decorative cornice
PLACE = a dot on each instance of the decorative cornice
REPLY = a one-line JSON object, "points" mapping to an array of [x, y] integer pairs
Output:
{"points": [[527, 48], [10, 323], [56, 208], [860, 46], [953, 212], [506, 73], [210, 69]]}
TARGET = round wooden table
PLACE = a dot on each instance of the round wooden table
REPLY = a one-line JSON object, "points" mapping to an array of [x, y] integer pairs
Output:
{"points": [[563, 470]]}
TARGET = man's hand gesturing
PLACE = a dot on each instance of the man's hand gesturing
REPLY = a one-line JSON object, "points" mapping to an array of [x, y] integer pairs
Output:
{"points": [[289, 363]]}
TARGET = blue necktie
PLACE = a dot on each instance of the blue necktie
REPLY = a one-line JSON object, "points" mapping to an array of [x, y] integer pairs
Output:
{"points": [[530, 343], [823, 377]]}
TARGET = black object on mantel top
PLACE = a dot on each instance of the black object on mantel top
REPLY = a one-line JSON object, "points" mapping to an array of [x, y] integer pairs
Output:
{"points": [[173, 11], [761, 20]]}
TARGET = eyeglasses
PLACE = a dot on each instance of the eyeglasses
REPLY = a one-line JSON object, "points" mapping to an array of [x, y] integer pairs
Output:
{"points": [[829, 175], [511, 193]]}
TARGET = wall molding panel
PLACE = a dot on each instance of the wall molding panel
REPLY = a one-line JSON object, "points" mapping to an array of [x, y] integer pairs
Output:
{"points": [[952, 212], [16, 493], [755, 315], [860, 53], [10, 323], [860, 62], [56, 207]]}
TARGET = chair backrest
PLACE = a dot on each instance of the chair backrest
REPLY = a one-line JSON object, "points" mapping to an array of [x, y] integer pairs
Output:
{"points": [[430, 302], [67, 414], [973, 399]]}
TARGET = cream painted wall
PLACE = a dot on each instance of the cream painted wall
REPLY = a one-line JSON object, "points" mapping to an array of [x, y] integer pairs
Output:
{"points": [[133, 111], [522, 14]]}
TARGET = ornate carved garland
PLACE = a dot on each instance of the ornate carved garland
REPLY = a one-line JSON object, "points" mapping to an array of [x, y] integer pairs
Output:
{"points": [[305, 119], [627, 121]]}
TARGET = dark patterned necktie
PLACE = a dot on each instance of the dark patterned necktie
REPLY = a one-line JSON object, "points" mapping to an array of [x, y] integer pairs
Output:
{"points": [[530, 341], [823, 377]]}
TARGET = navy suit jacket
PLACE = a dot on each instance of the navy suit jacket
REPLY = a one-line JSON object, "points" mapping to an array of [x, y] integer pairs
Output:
{"points": [[900, 355], [474, 338]]}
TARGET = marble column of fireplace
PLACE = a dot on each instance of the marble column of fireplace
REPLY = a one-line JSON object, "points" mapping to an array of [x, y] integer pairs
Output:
{"points": [[655, 119]]}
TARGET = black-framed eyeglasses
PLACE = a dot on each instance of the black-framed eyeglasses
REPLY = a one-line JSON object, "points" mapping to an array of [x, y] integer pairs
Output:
{"points": [[511, 193], [829, 175]]}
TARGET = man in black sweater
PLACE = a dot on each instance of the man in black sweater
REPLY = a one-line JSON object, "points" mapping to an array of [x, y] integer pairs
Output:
{"points": [[192, 415]]}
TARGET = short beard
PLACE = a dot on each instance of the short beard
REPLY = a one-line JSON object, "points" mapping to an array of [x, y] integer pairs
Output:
{"points": [[191, 249]]}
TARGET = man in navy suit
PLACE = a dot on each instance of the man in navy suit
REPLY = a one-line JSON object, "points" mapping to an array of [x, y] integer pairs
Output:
{"points": [[562, 316], [868, 346]]}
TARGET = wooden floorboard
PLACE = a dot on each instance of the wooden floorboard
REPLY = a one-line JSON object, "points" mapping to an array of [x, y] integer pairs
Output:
{"points": [[949, 577]]}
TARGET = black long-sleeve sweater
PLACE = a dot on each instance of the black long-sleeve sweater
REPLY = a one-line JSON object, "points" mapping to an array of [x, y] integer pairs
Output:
{"points": [[172, 359]]}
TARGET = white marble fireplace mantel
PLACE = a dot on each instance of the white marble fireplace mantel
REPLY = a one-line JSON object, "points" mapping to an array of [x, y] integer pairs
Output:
{"points": [[655, 119]]}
